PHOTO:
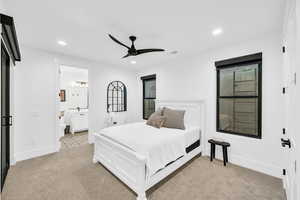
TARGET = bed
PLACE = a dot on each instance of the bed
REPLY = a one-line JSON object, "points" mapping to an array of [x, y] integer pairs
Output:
{"points": [[141, 155]]}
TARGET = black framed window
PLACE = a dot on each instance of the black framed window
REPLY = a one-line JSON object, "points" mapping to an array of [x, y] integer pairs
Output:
{"points": [[149, 95], [116, 97], [239, 94]]}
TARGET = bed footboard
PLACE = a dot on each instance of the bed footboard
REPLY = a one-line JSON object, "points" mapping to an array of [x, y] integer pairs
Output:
{"points": [[124, 163]]}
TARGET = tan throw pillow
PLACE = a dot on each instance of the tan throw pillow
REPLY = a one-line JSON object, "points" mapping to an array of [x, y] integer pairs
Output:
{"points": [[174, 118], [156, 119]]}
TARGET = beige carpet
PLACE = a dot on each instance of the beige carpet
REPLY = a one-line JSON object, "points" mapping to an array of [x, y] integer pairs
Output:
{"points": [[70, 141], [71, 175]]}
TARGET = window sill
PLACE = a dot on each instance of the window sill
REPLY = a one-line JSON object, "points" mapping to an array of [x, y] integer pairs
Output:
{"points": [[240, 134]]}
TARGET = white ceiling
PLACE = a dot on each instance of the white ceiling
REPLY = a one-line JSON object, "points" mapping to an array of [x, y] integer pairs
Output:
{"points": [[64, 68], [184, 26]]}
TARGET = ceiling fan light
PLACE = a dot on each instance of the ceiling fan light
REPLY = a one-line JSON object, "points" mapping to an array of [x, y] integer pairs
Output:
{"points": [[217, 31], [62, 43]]}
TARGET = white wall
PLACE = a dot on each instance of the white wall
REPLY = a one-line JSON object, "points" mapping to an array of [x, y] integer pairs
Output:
{"points": [[37, 105], [2, 7], [99, 78], [194, 77]]}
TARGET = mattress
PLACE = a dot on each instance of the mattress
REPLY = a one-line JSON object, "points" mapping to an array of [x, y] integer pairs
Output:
{"points": [[158, 146], [191, 134]]}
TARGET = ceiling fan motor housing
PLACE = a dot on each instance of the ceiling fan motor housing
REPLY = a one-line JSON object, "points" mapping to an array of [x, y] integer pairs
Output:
{"points": [[132, 38]]}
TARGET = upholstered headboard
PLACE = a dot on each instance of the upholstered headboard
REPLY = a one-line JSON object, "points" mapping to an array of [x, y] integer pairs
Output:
{"points": [[194, 114]]}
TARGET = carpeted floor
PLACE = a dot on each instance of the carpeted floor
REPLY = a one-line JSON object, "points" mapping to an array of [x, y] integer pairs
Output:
{"points": [[71, 175], [70, 141]]}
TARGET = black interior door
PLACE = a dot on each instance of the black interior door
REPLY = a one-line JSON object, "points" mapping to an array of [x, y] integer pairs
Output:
{"points": [[5, 114]]}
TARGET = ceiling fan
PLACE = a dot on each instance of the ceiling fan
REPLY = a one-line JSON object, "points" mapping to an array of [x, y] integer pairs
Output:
{"points": [[132, 51]]}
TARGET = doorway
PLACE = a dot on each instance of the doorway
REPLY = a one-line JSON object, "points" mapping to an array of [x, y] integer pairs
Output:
{"points": [[5, 114], [73, 107]]}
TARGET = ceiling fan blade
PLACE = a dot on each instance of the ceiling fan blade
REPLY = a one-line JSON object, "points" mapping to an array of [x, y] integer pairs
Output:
{"points": [[126, 55], [117, 41], [140, 51]]}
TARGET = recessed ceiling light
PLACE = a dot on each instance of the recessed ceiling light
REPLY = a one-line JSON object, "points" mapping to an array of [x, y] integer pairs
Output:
{"points": [[61, 43], [217, 31], [133, 62]]}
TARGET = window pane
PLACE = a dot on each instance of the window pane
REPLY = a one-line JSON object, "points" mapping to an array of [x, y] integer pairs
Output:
{"points": [[239, 115], [116, 95], [149, 107], [239, 81], [115, 107], [226, 82], [150, 88]]}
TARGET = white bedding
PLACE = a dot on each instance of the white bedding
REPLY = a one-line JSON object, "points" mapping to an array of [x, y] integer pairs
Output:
{"points": [[158, 146], [191, 134]]}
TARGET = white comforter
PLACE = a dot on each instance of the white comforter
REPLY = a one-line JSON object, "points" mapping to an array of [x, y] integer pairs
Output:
{"points": [[159, 146]]}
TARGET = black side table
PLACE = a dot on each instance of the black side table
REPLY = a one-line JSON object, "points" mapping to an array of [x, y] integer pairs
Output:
{"points": [[224, 145]]}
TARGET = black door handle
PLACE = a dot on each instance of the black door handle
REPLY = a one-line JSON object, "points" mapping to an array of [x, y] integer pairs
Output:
{"points": [[285, 142], [6, 121]]}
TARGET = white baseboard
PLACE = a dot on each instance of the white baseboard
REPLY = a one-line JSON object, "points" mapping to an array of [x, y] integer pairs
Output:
{"points": [[35, 153], [255, 165], [286, 182], [58, 146], [91, 138], [12, 161]]}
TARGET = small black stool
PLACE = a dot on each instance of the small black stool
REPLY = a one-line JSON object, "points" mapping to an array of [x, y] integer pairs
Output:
{"points": [[224, 145]]}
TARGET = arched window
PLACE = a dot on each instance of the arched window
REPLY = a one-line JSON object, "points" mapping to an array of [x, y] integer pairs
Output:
{"points": [[116, 97]]}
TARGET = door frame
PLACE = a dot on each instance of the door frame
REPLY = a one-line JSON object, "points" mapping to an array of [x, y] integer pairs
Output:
{"points": [[289, 82], [0, 111], [8, 147], [12, 109], [9, 41], [297, 86], [58, 63]]}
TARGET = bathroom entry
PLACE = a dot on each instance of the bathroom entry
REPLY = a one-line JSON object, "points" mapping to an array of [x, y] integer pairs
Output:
{"points": [[73, 106]]}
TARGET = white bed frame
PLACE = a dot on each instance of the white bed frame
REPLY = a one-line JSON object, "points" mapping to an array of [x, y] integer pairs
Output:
{"points": [[130, 167]]}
